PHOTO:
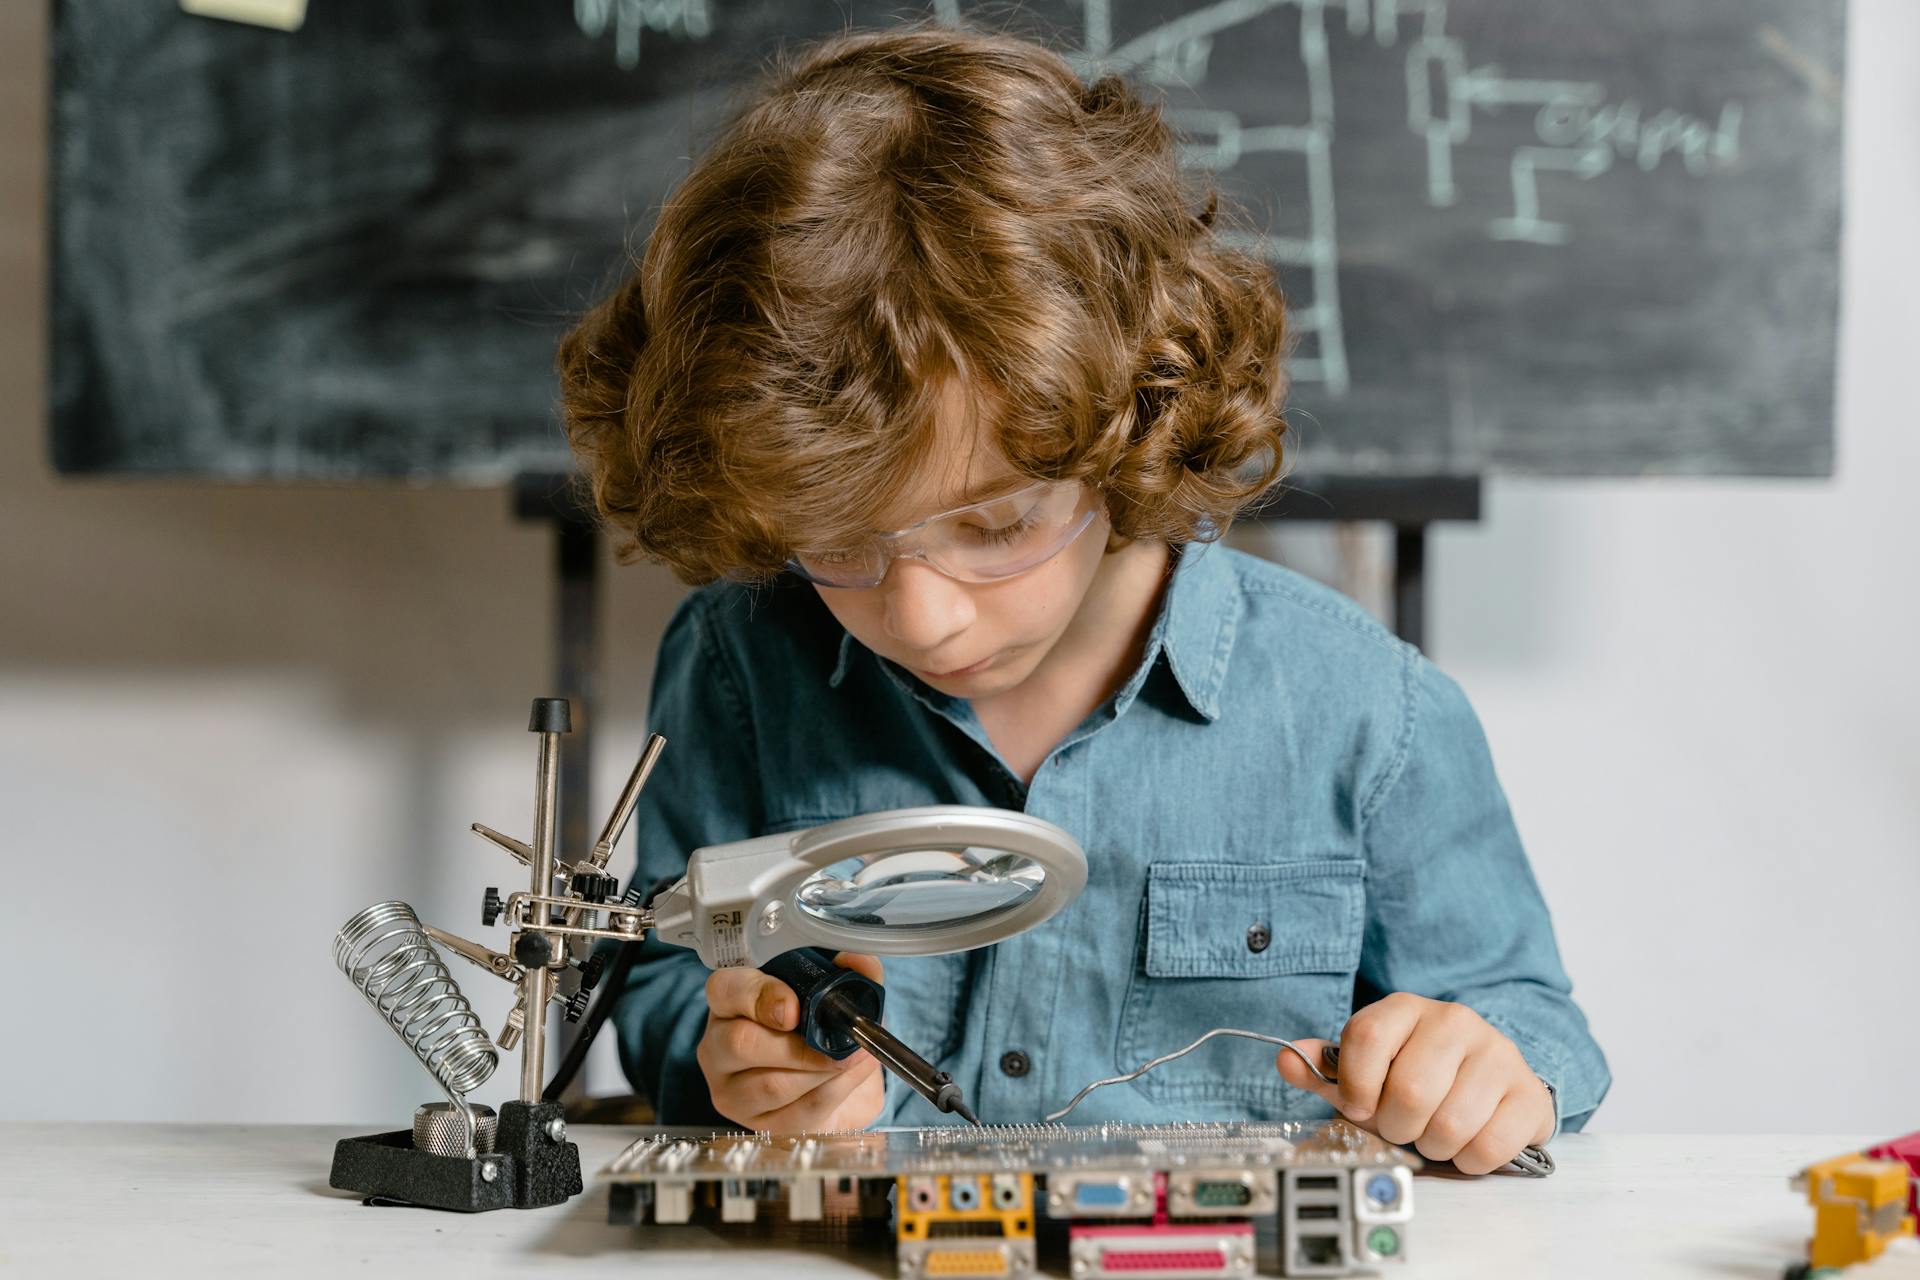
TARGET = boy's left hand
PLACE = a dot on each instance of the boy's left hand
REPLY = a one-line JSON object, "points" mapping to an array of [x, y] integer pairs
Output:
{"points": [[1434, 1074]]}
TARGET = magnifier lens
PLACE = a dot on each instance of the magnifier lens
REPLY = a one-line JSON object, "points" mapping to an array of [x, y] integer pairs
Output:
{"points": [[907, 889]]}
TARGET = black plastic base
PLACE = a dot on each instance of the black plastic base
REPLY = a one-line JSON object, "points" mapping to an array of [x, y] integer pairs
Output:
{"points": [[531, 1170]]}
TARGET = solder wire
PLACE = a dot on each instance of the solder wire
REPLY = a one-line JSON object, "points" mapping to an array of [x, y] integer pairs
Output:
{"points": [[1535, 1162], [1137, 1072]]}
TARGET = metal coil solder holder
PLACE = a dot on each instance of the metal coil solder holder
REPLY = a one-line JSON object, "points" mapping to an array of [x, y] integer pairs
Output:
{"points": [[456, 1156]]}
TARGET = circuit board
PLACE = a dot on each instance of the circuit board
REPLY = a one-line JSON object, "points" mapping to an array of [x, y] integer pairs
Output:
{"points": [[1155, 1201]]}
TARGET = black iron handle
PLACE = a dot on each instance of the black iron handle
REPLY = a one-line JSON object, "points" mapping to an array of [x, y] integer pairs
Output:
{"points": [[830, 998]]}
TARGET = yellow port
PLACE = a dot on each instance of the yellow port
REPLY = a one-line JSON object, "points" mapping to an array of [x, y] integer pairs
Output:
{"points": [[1009, 1215], [966, 1262]]}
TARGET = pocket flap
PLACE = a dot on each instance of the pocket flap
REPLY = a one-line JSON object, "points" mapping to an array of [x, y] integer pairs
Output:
{"points": [[1200, 916]]}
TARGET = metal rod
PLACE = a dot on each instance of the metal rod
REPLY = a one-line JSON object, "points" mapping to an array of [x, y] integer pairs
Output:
{"points": [[539, 978], [518, 848], [492, 961], [576, 661], [929, 1082], [560, 908], [608, 935], [623, 807], [1410, 584]]}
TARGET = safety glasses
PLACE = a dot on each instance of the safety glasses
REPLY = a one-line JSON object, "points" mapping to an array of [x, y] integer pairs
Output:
{"points": [[980, 542]]}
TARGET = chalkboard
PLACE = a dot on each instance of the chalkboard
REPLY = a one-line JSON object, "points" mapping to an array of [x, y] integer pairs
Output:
{"points": [[1582, 237]]}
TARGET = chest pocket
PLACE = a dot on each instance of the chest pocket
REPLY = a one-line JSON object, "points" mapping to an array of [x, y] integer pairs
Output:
{"points": [[1269, 947]]}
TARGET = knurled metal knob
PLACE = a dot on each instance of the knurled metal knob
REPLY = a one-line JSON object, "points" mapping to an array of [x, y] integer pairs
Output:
{"points": [[491, 906], [439, 1128], [595, 887]]}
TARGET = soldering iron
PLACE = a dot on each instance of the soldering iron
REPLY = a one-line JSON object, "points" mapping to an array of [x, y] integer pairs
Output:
{"points": [[840, 1012]]}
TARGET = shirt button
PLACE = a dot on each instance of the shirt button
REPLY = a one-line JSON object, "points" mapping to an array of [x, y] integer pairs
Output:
{"points": [[1258, 938], [1015, 1063]]}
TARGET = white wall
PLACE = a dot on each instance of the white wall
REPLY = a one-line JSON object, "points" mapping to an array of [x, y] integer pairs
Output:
{"points": [[231, 717], [1704, 702]]}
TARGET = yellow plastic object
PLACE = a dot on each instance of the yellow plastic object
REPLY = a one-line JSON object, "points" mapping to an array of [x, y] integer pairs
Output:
{"points": [[967, 1262], [965, 1204], [1859, 1205]]}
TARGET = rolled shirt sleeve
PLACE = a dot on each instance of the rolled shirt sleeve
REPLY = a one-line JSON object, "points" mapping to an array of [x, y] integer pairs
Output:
{"points": [[1453, 910]]}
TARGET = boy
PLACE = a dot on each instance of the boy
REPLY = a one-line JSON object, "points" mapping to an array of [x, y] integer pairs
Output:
{"points": [[935, 348]]}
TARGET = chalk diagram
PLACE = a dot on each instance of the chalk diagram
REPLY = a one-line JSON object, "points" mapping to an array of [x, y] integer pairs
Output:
{"points": [[1580, 131], [629, 20]]}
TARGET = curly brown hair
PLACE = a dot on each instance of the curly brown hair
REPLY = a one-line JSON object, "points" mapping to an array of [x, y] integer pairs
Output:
{"points": [[890, 210]]}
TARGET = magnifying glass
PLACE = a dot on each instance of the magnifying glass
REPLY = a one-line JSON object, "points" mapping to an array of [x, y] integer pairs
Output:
{"points": [[905, 882]]}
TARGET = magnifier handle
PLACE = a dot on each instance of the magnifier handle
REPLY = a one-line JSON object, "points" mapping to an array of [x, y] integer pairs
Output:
{"points": [[830, 998]]}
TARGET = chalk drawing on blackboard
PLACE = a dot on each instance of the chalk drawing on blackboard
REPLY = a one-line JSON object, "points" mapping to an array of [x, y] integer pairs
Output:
{"points": [[691, 19], [1176, 52], [1579, 131]]}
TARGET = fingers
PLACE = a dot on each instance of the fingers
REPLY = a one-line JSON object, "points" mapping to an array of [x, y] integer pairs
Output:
{"points": [[735, 1044], [1294, 1071], [1368, 1045], [1514, 1124], [748, 993], [759, 1068], [786, 1101], [761, 1092], [1419, 1079], [868, 965], [1436, 1075], [1470, 1104], [754, 1073]]}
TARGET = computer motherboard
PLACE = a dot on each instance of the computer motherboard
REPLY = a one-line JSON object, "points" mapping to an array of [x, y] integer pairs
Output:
{"points": [[1153, 1201]]}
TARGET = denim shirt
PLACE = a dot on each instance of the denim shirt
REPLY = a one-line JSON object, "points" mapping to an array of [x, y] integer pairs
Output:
{"points": [[1287, 813]]}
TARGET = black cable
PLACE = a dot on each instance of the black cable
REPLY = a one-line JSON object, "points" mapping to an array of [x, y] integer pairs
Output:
{"points": [[612, 985]]}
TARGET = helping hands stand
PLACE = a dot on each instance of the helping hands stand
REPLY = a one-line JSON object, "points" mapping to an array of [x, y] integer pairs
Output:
{"points": [[524, 1161]]}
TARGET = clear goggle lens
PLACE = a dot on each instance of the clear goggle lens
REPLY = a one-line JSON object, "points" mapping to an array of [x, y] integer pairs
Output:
{"points": [[978, 543]]}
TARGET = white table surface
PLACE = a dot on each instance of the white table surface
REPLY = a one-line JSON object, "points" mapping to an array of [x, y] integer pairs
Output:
{"points": [[252, 1200]]}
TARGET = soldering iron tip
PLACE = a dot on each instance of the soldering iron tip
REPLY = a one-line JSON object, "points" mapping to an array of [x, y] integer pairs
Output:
{"points": [[966, 1113]]}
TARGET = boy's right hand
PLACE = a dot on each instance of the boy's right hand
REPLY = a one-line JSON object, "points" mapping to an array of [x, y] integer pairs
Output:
{"points": [[762, 1074]]}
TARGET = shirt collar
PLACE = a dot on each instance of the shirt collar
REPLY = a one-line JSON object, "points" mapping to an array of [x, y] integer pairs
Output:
{"points": [[1197, 624], [1195, 629], [847, 646]]}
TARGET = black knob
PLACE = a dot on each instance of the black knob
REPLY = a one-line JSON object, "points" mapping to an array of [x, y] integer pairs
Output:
{"points": [[577, 1005], [491, 906], [550, 715], [533, 950], [590, 971], [595, 887]]}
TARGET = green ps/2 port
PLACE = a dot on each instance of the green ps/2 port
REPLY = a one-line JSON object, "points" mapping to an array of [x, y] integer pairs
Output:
{"points": [[1221, 1195], [1384, 1241]]}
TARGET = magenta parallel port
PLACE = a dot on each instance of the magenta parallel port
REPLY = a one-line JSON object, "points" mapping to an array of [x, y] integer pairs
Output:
{"points": [[1166, 1250], [1160, 1261]]}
